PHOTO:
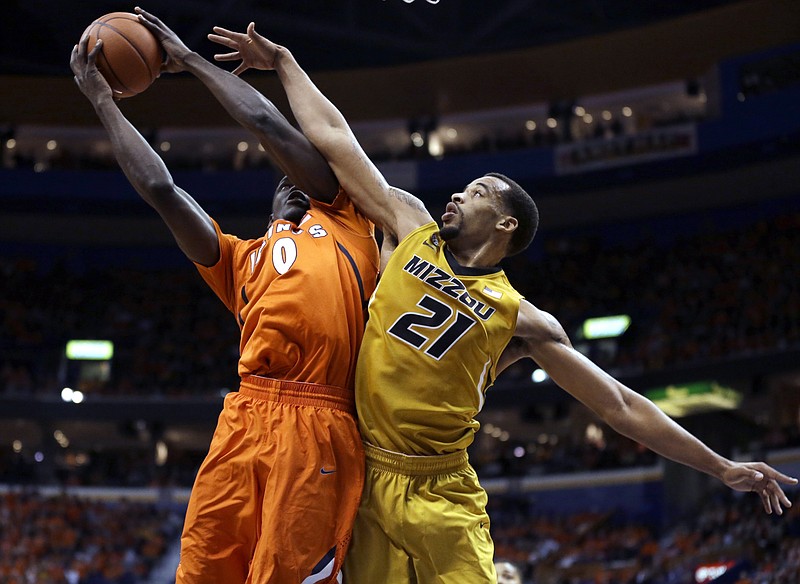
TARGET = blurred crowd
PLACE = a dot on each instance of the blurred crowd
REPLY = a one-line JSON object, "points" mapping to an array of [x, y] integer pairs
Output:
{"points": [[705, 297], [708, 296], [730, 534], [66, 539], [171, 335]]}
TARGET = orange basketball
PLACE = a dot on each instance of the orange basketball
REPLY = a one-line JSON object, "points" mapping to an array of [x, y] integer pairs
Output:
{"points": [[131, 57]]}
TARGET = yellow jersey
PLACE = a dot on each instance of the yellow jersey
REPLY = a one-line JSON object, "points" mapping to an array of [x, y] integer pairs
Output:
{"points": [[434, 336]]}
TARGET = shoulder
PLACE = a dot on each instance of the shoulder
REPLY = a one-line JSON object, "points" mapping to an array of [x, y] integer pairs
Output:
{"points": [[427, 232], [343, 213], [536, 326]]}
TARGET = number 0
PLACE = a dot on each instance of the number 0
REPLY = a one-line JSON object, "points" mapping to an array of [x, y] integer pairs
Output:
{"points": [[284, 254]]}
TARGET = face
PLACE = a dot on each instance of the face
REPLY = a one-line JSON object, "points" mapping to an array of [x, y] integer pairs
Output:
{"points": [[289, 202], [507, 573], [476, 209]]}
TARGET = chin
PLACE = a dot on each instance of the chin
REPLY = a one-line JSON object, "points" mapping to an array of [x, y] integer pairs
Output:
{"points": [[448, 232], [295, 215]]}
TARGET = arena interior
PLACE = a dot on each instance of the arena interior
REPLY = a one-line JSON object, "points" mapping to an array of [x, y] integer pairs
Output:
{"points": [[661, 142]]}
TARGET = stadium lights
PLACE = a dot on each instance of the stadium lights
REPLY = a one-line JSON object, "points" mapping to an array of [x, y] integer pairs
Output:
{"points": [[90, 350], [692, 398], [539, 376], [71, 395], [604, 327]]}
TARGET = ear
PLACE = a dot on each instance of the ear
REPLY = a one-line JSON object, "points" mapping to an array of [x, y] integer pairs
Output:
{"points": [[507, 224]]}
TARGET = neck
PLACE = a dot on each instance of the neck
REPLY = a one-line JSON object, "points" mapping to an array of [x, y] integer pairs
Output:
{"points": [[484, 255]]}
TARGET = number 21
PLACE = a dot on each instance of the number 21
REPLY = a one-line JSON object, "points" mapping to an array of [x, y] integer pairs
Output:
{"points": [[437, 315]]}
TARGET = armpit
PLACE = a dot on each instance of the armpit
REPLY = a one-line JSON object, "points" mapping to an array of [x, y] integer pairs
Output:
{"points": [[555, 331]]}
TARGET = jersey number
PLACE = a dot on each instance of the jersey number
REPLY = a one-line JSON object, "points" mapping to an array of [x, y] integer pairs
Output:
{"points": [[437, 314], [284, 254]]}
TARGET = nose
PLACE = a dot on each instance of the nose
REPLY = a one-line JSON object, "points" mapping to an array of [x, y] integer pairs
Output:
{"points": [[457, 197]]}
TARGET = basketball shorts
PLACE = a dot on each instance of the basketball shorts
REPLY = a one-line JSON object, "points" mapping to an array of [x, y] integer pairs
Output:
{"points": [[275, 498], [422, 520]]}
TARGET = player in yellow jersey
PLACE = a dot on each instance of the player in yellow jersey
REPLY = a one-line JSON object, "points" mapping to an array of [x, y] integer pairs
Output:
{"points": [[443, 323]]}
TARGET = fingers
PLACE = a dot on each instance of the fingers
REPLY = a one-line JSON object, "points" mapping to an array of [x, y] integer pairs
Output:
{"points": [[254, 36], [153, 24], [780, 477], [764, 470], [223, 40], [224, 32], [78, 58], [145, 16], [92, 58], [774, 498], [240, 69], [82, 44], [766, 502], [73, 61], [782, 498], [235, 56]]}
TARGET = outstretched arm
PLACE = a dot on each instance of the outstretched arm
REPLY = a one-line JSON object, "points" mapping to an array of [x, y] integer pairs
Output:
{"points": [[286, 146], [395, 211], [190, 225], [541, 337]]}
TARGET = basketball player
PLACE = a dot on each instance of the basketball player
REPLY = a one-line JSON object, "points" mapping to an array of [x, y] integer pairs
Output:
{"points": [[276, 497], [443, 323]]}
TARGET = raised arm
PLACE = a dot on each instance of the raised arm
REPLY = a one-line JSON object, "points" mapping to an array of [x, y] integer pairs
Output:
{"points": [[541, 337], [395, 211], [286, 146], [190, 225]]}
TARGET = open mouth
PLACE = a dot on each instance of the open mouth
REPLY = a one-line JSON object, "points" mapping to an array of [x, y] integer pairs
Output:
{"points": [[450, 211], [297, 197]]}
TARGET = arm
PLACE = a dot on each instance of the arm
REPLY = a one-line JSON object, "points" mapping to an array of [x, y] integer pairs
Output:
{"points": [[541, 337], [286, 146], [393, 210], [189, 224]]}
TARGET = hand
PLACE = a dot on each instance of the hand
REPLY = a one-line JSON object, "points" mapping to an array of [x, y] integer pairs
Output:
{"points": [[762, 479], [89, 79], [173, 46], [254, 50]]}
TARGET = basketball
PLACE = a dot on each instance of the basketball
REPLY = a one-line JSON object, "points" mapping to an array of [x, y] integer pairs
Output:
{"points": [[131, 57]]}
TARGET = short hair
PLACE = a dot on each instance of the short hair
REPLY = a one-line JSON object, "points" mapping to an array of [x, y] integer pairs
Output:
{"points": [[522, 207]]}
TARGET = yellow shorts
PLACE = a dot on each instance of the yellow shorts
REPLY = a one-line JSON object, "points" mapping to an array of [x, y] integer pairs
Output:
{"points": [[422, 520], [275, 498]]}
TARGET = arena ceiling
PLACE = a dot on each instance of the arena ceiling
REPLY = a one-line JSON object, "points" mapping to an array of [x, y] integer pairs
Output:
{"points": [[37, 35]]}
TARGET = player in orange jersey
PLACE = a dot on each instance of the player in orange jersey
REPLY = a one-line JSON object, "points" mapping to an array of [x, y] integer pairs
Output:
{"points": [[276, 497]]}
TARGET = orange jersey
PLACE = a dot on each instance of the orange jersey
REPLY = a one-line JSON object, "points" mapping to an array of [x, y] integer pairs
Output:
{"points": [[299, 293]]}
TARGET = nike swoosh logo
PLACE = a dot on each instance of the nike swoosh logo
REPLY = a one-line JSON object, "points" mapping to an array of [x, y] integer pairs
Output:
{"points": [[323, 470]]}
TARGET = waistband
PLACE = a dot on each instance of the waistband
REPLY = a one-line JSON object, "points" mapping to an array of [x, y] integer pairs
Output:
{"points": [[405, 464], [298, 393]]}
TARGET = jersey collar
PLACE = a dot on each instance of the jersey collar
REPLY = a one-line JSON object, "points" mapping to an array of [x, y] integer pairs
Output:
{"points": [[465, 270]]}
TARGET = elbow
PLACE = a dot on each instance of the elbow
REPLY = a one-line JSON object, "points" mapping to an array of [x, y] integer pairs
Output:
{"points": [[262, 120], [159, 190], [318, 132], [619, 414]]}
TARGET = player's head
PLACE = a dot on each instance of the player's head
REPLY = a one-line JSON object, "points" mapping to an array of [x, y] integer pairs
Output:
{"points": [[507, 573], [289, 202], [492, 205]]}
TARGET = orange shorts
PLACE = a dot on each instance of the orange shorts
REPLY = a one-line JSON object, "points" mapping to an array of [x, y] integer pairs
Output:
{"points": [[276, 497]]}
